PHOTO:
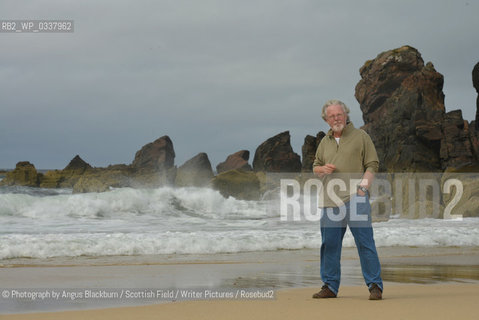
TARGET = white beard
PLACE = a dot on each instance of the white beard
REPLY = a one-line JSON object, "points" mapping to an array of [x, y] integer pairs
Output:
{"points": [[338, 127]]}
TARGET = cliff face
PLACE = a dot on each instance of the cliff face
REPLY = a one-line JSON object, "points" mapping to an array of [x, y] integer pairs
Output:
{"points": [[403, 111], [403, 108]]}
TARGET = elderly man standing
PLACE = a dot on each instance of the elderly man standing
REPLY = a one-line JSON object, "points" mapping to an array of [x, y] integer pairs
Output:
{"points": [[347, 152]]}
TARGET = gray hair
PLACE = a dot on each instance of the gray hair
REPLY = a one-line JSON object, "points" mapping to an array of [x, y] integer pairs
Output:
{"points": [[334, 103]]}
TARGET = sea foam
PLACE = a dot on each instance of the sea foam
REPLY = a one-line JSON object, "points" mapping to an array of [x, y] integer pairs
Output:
{"points": [[181, 221]]}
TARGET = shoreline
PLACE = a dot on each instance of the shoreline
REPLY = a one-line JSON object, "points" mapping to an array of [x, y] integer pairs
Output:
{"points": [[466, 255], [273, 270]]}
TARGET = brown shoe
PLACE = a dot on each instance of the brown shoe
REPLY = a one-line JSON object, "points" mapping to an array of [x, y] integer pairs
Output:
{"points": [[324, 293], [375, 292]]}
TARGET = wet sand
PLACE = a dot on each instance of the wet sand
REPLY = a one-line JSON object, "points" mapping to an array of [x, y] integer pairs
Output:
{"points": [[292, 275]]}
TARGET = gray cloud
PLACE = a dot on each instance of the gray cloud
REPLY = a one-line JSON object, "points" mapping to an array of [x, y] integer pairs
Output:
{"points": [[217, 76]]}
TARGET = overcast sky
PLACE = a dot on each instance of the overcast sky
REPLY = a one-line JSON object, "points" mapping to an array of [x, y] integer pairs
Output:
{"points": [[217, 76]]}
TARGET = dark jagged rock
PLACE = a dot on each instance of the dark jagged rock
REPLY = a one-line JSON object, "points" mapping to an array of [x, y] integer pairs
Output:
{"points": [[239, 184], [238, 160], [276, 155], [73, 171], [456, 148], [157, 155], [403, 109], [77, 164], [24, 174], [475, 83], [309, 150], [195, 172]]}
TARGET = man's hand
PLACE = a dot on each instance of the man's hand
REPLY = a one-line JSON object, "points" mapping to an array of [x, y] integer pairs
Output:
{"points": [[368, 178], [324, 170], [361, 193]]}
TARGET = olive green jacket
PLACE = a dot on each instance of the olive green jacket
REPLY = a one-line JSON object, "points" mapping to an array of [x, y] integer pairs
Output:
{"points": [[354, 155]]}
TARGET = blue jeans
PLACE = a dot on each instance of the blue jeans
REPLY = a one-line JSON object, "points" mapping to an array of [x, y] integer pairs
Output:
{"points": [[357, 215]]}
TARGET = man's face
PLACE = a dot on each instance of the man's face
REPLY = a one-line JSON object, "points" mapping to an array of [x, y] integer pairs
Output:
{"points": [[336, 118]]}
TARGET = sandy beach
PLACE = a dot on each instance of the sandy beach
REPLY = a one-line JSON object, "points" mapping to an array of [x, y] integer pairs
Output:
{"points": [[420, 283], [400, 302]]}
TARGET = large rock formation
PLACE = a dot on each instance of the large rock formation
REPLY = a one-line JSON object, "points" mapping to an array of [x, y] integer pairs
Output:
{"points": [[77, 165], [238, 160], [309, 150], [403, 109], [277, 155], [153, 167], [157, 155], [24, 174], [195, 172]]}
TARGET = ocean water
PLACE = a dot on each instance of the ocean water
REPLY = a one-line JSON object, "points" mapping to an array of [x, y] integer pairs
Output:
{"points": [[46, 223]]}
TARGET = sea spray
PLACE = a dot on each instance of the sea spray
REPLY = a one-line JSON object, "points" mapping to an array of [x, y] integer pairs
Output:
{"points": [[181, 221]]}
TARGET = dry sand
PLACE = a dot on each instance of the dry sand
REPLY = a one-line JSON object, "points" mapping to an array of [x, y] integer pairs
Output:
{"points": [[455, 301]]}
